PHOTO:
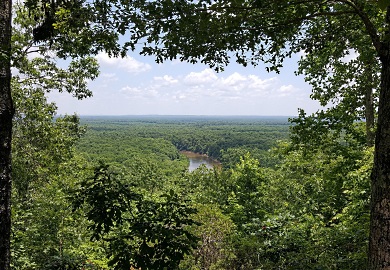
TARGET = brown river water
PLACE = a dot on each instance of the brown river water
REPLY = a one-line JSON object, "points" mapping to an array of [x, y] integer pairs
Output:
{"points": [[198, 159]]}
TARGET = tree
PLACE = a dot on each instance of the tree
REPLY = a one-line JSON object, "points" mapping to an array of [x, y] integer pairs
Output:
{"points": [[147, 234], [44, 166], [318, 207], [215, 250], [40, 75], [6, 113], [74, 40], [345, 79], [247, 181]]}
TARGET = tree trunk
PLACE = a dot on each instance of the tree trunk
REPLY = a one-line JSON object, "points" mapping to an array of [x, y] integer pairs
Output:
{"points": [[379, 243], [6, 114]]}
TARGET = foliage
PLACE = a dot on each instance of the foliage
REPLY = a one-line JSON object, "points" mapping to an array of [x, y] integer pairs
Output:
{"points": [[270, 31], [37, 68], [307, 211], [109, 197], [45, 167], [310, 225], [247, 182], [213, 136], [215, 250], [140, 232], [74, 28]]}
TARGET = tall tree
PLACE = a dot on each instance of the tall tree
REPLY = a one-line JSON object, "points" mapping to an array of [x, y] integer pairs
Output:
{"points": [[42, 148], [42, 32], [6, 113], [77, 38]]}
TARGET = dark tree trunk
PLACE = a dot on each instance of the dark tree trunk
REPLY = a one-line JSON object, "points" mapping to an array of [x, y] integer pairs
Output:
{"points": [[379, 243], [6, 114]]}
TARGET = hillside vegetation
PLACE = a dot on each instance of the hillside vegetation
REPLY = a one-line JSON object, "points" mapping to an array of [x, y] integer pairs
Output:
{"points": [[120, 195]]}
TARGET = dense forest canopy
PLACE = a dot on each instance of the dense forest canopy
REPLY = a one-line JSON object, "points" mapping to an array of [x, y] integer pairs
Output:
{"points": [[269, 207], [211, 135]]}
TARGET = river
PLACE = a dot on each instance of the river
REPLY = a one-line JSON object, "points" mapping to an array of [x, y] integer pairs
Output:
{"points": [[198, 159]]}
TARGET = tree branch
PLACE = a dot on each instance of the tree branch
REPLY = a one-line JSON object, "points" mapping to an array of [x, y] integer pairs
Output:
{"points": [[370, 27]]}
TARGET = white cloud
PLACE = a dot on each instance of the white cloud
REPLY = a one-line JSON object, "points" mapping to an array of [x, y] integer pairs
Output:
{"points": [[234, 80], [207, 84], [138, 92], [128, 63], [165, 80], [179, 97], [131, 90], [256, 83], [235, 86], [179, 88], [196, 78], [286, 90], [109, 77], [240, 86]]}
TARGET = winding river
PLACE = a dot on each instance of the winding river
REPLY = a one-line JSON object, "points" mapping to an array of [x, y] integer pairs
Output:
{"points": [[198, 159]]}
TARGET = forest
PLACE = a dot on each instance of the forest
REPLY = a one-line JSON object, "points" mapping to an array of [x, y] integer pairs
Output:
{"points": [[115, 193], [310, 192]]}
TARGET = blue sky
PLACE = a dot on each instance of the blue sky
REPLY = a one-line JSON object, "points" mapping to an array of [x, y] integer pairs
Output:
{"points": [[136, 85]]}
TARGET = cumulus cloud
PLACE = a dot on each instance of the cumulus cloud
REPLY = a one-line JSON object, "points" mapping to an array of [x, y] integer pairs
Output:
{"points": [[128, 63], [286, 90], [234, 80], [140, 92], [109, 77], [203, 77], [131, 90], [256, 83], [206, 84], [165, 80]]}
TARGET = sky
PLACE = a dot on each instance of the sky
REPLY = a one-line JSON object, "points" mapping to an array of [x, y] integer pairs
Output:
{"points": [[136, 85]]}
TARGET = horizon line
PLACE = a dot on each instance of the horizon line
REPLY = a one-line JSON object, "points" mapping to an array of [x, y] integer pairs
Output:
{"points": [[185, 115]]}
